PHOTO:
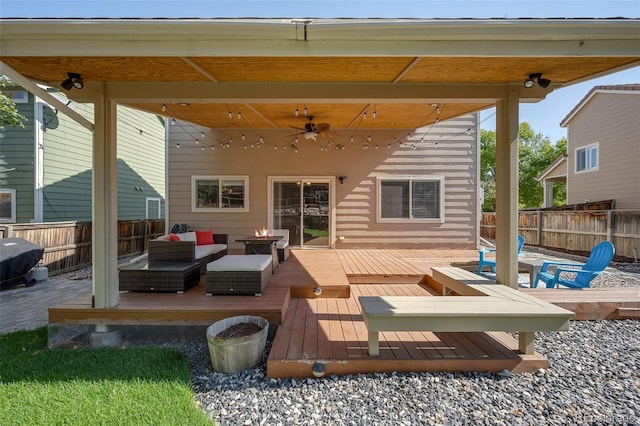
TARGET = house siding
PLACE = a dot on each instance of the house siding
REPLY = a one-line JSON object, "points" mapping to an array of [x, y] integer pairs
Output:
{"points": [[68, 163], [447, 149], [17, 152], [611, 120]]}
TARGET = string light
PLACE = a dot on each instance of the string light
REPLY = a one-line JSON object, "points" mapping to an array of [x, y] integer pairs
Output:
{"points": [[164, 107], [296, 113], [173, 121], [306, 111], [230, 115]]}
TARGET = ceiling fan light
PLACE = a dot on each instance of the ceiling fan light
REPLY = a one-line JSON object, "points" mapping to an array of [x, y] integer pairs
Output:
{"points": [[310, 136]]}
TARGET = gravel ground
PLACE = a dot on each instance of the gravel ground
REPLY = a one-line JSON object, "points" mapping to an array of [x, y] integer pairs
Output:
{"points": [[593, 379]]}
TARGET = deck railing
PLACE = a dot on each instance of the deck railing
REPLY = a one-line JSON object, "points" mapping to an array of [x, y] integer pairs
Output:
{"points": [[68, 244], [575, 230]]}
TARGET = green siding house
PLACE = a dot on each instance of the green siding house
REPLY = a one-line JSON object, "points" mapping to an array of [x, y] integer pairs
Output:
{"points": [[45, 168]]}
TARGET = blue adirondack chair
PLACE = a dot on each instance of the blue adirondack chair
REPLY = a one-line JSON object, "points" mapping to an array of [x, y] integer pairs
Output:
{"points": [[577, 275], [492, 262]]}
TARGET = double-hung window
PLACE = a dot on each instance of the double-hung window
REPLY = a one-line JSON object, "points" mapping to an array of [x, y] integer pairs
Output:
{"points": [[410, 199], [587, 158], [219, 193], [7, 206]]}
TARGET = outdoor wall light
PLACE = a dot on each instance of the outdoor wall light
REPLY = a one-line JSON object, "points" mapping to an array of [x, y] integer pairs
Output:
{"points": [[74, 80], [342, 179], [318, 370], [537, 77]]}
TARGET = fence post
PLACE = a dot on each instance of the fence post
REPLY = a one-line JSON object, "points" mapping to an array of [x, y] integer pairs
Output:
{"points": [[610, 225], [539, 232]]}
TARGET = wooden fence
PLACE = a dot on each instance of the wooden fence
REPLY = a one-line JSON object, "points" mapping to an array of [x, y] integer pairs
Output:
{"points": [[67, 245], [575, 230]]}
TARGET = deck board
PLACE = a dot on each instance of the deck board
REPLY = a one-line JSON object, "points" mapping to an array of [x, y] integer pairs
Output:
{"points": [[330, 328], [340, 322]]}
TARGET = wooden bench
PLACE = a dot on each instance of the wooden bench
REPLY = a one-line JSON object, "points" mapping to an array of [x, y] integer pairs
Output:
{"points": [[487, 308]]}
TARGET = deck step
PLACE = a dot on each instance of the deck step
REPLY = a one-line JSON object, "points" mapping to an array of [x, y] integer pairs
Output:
{"points": [[628, 313], [331, 291]]}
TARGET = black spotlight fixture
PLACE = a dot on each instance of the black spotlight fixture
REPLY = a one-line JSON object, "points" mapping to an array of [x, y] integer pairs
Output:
{"points": [[74, 80], [537, 77]]}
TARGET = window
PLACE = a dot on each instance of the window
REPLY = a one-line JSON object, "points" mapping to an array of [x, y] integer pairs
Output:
{"points": [[219, 193], [7, 206], [410, 198], [587, 158]]}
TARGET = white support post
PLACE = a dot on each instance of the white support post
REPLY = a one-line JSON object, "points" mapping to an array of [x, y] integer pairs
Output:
{"points": [[105, 212], [507, 124], [548, 193]]}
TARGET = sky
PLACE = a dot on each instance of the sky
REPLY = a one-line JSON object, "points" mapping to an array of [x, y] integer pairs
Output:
{"points": [[544, 117]]}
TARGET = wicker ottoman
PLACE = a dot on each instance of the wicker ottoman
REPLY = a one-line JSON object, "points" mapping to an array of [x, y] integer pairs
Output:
{"points": [[159, 276], [238, 274]]}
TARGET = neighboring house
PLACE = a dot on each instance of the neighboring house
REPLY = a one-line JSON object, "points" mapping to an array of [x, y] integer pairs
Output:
{"points": [[394, 190], [45, 168], [603, 147], [556, 172]]}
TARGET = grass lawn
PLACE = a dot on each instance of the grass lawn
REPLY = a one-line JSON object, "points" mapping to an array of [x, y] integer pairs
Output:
{"points": [[316, 233], [135, 386]]}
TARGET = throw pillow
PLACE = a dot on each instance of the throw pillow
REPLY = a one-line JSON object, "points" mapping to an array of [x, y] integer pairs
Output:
{"points": [[204, 237], [174, 237]]}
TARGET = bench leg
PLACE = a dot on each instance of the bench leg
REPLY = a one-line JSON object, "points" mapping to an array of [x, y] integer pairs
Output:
{"points": [[526, 342], [374, 344]]}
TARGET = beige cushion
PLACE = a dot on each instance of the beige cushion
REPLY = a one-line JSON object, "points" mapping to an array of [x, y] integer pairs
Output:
{"points": [[188, 236], [232, 262], [284, 233]]}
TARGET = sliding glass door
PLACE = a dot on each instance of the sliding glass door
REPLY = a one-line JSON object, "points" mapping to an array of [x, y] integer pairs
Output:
{"points": [[303, 207]]}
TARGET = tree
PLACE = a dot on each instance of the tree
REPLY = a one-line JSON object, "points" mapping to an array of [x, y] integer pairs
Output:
{"points": [[536, 153], [9, 115], [488, 168]]}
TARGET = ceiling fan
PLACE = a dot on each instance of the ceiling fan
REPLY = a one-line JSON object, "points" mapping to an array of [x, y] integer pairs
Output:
{"points": [[312, 130]]}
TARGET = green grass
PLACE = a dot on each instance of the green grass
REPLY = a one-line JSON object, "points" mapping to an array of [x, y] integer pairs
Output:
{"points": [[135, 386], [316, 233]]}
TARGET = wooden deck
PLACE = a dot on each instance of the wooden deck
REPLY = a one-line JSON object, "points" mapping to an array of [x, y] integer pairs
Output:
{"points": [[331, 332], [329, 329]]}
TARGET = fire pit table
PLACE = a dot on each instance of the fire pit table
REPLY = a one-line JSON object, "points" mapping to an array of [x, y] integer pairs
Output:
{"points": [[262, 245]]}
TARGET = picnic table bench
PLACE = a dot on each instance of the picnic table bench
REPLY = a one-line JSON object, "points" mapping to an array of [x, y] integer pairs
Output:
{"points": [[483, 306]]}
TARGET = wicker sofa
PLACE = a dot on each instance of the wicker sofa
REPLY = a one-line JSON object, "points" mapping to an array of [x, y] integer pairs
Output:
{"points": [[170, 267], [187, 249]]}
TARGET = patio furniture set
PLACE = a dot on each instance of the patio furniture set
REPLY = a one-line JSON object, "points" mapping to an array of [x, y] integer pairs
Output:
{"points": [[176, 261]]}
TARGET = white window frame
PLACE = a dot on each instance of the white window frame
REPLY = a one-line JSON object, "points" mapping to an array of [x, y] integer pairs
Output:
{"points": [[588, 149], [430, 178], [154, 200], [194, 194], [12, 193]]}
